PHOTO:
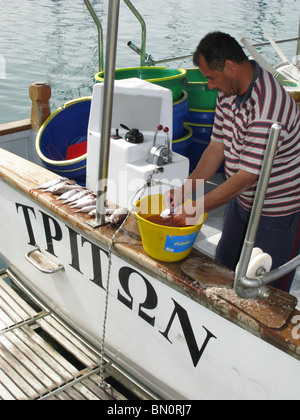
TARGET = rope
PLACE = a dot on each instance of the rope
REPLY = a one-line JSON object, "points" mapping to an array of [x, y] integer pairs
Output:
{"points": [[103, 385]]}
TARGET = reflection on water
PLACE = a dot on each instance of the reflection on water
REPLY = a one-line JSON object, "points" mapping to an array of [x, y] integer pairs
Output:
{"points": [[56, 40]]}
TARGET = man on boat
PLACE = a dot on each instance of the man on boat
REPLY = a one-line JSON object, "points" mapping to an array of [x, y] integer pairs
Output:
{"points": [[249, 103]]}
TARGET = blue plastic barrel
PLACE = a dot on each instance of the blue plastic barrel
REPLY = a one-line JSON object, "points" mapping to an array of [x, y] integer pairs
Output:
{"points": [[64, 128], [201, 132], [201, 139], [182, 145], [200, 116], [196, 150], [180, 110]]}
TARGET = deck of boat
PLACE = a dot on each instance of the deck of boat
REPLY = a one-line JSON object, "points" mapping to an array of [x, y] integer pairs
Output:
{"points": [[270, 320], [211, 232], [43, 359]]}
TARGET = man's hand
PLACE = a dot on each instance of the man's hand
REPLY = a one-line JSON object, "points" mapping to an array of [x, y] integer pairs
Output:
{"points": [[188, 214], [174, 198]]}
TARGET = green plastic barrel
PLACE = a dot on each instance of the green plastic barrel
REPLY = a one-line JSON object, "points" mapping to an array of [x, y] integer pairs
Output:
{"points": [[173, 79], [200, 96]]}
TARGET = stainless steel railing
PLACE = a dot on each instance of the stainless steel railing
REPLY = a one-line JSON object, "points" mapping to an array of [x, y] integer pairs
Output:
{"points": [[147, 59], [100, 33], [150, 61], [254, 288], [248, 288], [142, 50]]}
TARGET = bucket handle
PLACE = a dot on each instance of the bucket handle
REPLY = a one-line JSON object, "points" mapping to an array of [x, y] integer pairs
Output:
{"points": [[150, 183]]}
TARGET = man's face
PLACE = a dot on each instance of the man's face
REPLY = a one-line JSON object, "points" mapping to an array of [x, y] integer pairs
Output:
{"points": [[223, 81]]}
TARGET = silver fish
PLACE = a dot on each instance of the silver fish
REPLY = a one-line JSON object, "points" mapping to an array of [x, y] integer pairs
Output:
{"points": [[85, 201], [62, 187], [109, 212], [77, 196], [69, 194], [165, 214], [86, 209], [118, 215], [55, 187], [51, 183], [93, 212]]}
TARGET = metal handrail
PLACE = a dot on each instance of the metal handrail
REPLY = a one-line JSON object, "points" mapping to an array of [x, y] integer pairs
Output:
{"points": [[298, 44], [190, 56], [147, 59], [141, 51], [249, 288], [107, 107], [100, 33], [241, 287]]}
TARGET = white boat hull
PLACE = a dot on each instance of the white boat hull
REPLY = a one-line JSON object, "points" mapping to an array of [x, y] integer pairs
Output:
{"points": [[174, 345]]}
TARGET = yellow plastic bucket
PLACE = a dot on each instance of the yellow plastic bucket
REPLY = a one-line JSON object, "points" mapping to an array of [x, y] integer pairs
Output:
{"points": [[167, 244]]}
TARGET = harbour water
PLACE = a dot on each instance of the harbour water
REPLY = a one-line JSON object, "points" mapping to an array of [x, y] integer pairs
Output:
{"points": [[56, 40]]}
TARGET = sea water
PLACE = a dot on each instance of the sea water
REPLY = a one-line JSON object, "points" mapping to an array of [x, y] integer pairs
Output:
{"points": [[55, 41]]}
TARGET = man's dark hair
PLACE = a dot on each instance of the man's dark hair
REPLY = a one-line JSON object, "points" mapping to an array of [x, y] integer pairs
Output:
{"points": [[216, 48]]}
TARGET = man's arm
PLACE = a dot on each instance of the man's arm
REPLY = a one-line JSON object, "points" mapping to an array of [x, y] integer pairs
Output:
{"points": [[234, 186], [238, 183], [208, 165]]}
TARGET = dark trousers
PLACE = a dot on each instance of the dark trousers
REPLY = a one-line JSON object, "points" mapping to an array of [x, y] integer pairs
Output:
{"points": [[277, 236]]}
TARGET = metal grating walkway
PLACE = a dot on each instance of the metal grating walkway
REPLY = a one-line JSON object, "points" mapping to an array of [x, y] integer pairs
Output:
{"points": [[41, 358]]}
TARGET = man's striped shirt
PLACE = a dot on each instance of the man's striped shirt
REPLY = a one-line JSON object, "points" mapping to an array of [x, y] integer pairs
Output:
{"points": [[245, 131]]}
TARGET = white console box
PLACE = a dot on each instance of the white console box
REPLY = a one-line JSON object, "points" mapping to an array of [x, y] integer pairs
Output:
{"points": [[137, 104]]}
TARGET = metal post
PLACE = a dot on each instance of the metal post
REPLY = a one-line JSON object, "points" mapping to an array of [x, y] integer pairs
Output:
{"points": [[100, 33], [298, 44], [255, 217], [143, 25], [107, 107]]}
